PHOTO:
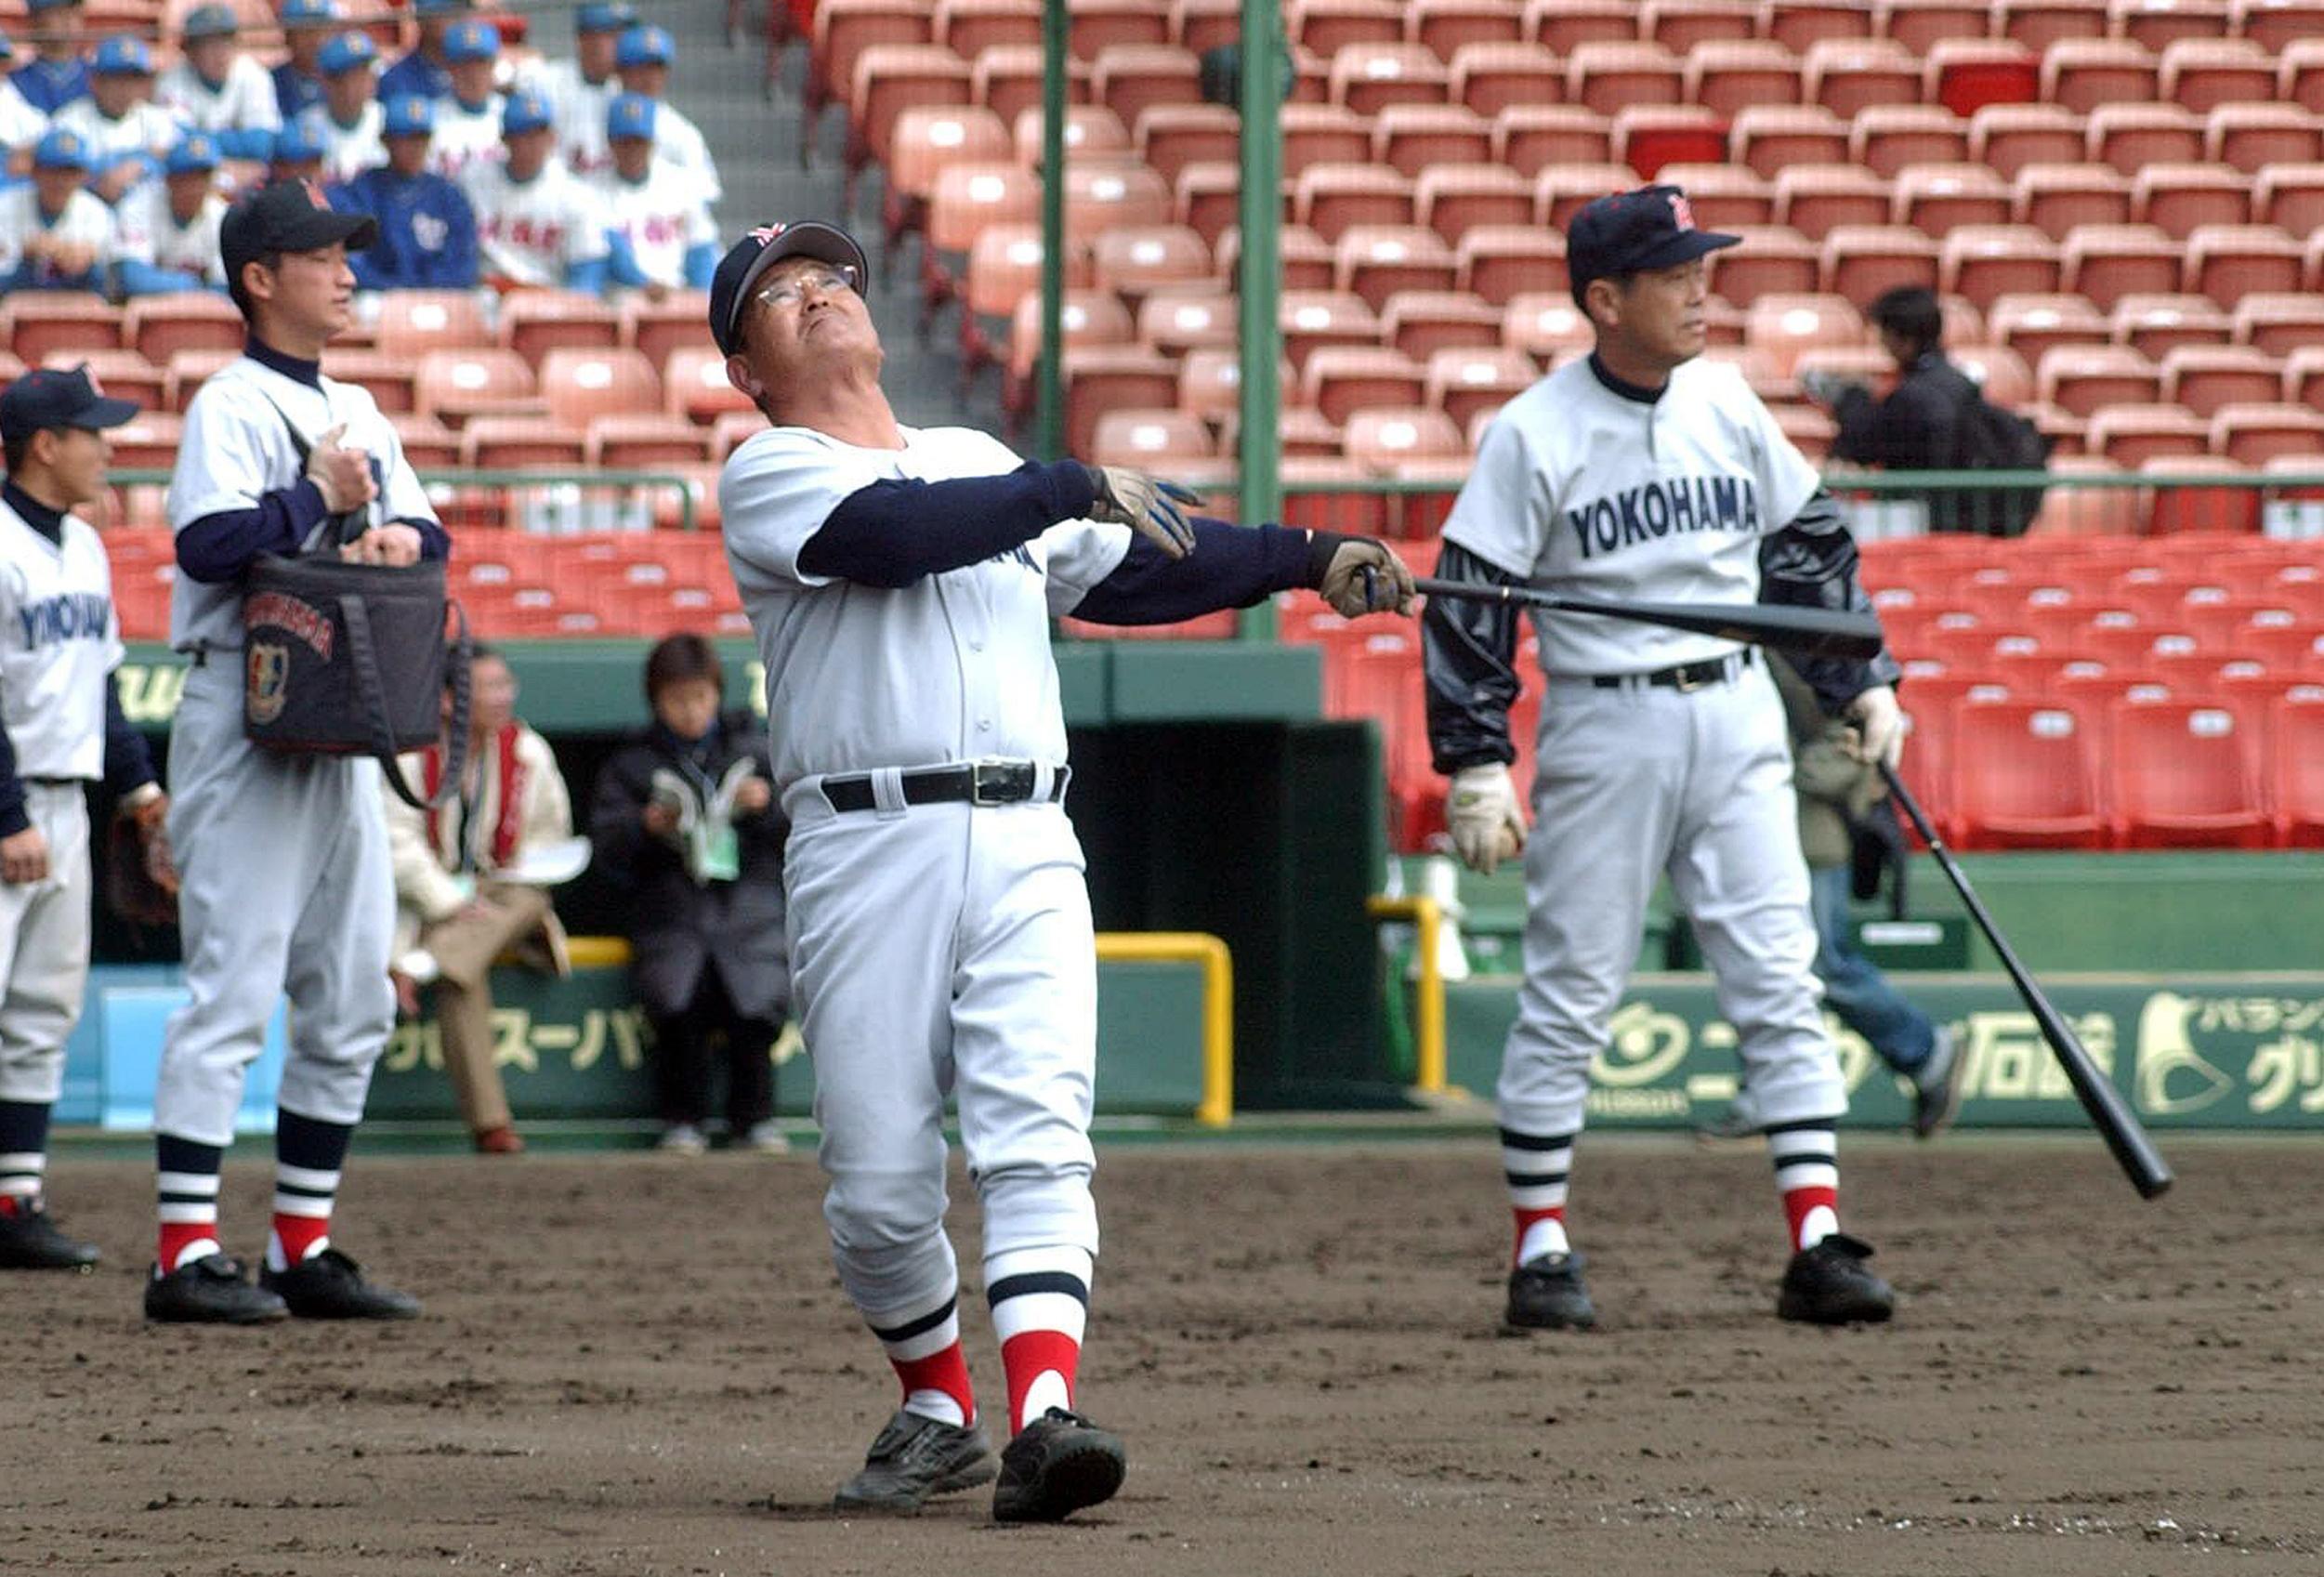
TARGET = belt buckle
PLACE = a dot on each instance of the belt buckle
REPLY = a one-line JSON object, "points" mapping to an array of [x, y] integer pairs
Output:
{"points": [[988, 783], [1688, 678]]}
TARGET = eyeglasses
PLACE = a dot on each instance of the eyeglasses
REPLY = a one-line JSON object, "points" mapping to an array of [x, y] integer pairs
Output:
{"points": [[828, 281]]}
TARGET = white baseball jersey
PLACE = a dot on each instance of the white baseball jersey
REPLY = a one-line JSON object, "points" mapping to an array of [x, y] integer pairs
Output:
{"points": [[21, 124], [348, 151], [150, 233], [147, 128], [86, 221], [466, 136], [661, 217], [237, 447], [577, 108], [58, 640], [1589, 492], [245, 102], [953, 668], [679, 140], [530, 232]]}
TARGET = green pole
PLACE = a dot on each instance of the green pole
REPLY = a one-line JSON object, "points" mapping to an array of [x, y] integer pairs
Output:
{"points": [[1056, 32], [1260, 275]]}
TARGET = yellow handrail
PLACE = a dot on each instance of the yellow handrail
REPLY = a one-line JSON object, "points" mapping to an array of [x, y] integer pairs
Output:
{"points": [[1426, 915], [1218, 1108]]}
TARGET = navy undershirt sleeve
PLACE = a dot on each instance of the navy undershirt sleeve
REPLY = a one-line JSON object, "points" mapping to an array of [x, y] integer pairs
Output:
{"points": [[1230, 567], [895, 531], [218, 547], [13, 819], [128, 764], [435, 542]]}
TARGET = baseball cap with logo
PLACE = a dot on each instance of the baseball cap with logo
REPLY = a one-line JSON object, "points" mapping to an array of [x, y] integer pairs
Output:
{"points": [[471, 40], [61, 148], [1633, 231], [122, 55], [288, 215], [605, 15], [210, 22], [298, 143], [646, 47], [750, 257], [308, 13], [196, 151], [526, 110], [53, 397], [630, 114], [409, 114], [347, 52]]}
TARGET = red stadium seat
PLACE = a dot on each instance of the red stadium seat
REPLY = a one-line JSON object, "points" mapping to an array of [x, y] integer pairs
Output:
{"points": [[2277, 24], [1861, 261], [1987, 262], [1918, 24], [580, 383], [2204, 377], [1324, 133], [2279, 324], [889, 76], [1382, 436], [1940, 198], [2108, 262], [2156, 325], [1305, 259], [1107, 195], [2202, 73], [639, 440], [2251, 136], [969, 27], [2304, 376], [2178, 198], [1329, 198], [2033, 324], [1170, 137], [453, 385], [1847, 77], [533, 322], [2010, 137], [1564, 25], [2041, 24], [2131, 137], [2295, 770], [1341, 379], [1309, 319], [2186, 774], [2253, 435], [1772, 138], [1131, 78], [1150, 440], [1420, 322], [1499, 262], [1175, 323], [2300, 73], [1323, 26], [1681, 25], [1134, 261], [1888, 137], [1561, 190], [2025, 776], [2228, 262], [1724, 76], [1366, 77], [1411, 138], [1111, 377], [1782, 327], [508, 443], [929, 137], [1609, 77], [1774, 261], [2158, 24], [1648, 137], [41, 321], [2174, 510], [1099, 25], [1006, 79], [2290, 197], [1086, 318], [1446, 26], [2082, 73], [2000, 373], [656, 328], [1723, 195], [2087, 380], [1453, 199], [1964, 74], [1796, 25], [157, 327], [1489, 78], [1463, 382], [1092, 132], [1545, 326], [2130, 435], [1813, 197], [1529, 138]]}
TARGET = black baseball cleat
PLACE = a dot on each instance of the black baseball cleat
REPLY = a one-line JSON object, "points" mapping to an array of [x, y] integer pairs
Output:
{"points": [[29, 1240], [1936, 1093], [329, 1285], [1829, 1285], [913, 1458], [1058, 1464], [1546, 1294], [210, 1291]]}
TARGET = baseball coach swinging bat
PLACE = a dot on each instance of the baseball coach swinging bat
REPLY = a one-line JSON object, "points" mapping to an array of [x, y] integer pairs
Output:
{"points": [[1814, 632], [2110, 1114]]}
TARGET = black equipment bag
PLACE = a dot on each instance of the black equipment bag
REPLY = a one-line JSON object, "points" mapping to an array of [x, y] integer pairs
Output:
{"points": [[1990, 439]]}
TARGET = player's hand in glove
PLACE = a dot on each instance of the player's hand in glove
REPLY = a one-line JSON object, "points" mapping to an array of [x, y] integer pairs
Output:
{"points": [[1359, 575], [1146, 505], [1879, 724], [140, 874], [1481, 812]]}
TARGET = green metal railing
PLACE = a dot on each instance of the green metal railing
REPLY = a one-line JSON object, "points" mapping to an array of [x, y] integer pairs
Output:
{"points": [[595, 480]]}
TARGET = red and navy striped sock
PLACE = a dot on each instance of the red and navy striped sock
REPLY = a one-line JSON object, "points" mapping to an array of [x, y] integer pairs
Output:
{"points": [[24, 1153], [308, 1155], [1040, 1301], [1807, 1157], [925, 1352], [1536, 1167], [186, 1184]]}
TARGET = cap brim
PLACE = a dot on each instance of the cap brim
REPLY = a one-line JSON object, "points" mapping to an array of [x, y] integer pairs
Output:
{"points": [[1685, 247], [810, 238], [319, 228], [104, 413]]}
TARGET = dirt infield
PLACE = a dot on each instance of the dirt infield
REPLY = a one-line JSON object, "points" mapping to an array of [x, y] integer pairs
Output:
{"points": [[635, 1365]]}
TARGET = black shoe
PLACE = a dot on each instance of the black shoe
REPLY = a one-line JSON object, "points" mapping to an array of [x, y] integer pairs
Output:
{"points": [[210, 1291], [330, 1286], [1729, 1126], [1058, 1464], [1828, 1285], [913, 1458], [1936, 1093], [1546, 1294], [29, 1240]]}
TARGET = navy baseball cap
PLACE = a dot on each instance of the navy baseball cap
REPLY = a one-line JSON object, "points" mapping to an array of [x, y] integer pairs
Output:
{"points": [[605, 15], [409, 114], [471, 40], [122, 55], [197, 150], [646, 47], [308, 13], [347, 52], [1633, 231], [288, 215], [52, 397], [761, 250], [60, 148], [298, 143], [210, 22], [526, 110]]}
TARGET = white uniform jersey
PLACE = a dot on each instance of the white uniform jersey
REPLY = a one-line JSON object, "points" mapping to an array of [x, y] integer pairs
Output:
{"points": [[577, 108], [21, 124], [953, 668], [465, 137], [237, 447], [348, 151], [662, 218], [86, 221], [1589, 492], [147, 128], [679, 140], [59, 638], [150, 233], [530, 232], [245, 102]]}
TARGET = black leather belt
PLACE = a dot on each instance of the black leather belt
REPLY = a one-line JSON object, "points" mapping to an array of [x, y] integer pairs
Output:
{"points": [[1685, 676], [980, 783], [58, 782]]}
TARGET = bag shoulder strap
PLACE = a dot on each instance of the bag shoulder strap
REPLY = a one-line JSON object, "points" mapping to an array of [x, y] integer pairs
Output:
{"points": [[364, 657], [347, 527]]}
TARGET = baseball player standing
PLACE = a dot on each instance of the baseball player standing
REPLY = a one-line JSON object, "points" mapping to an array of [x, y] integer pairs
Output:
{"points": [[275, 454], [1644, 473], [900, 582], [61, 726]]}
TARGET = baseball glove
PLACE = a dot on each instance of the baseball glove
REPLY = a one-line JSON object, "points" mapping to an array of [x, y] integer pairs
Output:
{"points": [[140, 879]]}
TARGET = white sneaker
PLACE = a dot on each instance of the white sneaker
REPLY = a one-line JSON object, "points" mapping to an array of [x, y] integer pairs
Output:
{"points": [[682, 1138], [766, 1139]]}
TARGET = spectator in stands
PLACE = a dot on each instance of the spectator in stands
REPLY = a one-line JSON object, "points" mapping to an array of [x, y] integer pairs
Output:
{"points": [[21, 124], [351, 114], [297, 152], [218, 89], [644, 57], [127, 134], [168, 230], [467, 119], [308, 25], [579, 89], [535, 223], [425, 71], [684, 820], [58, 72], [455, 913], [54, 233], [427, 230], [664, 238]]}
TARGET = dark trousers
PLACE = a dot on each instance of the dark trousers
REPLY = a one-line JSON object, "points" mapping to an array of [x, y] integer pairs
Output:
{"points": [[683, 1054]]}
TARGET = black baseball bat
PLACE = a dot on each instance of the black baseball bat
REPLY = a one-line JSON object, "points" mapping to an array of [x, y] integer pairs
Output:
{"points": [[1816, 632], [2110, 1114]]}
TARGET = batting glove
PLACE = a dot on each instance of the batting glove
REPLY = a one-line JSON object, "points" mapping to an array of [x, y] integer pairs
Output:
{"points": [[1879, 726], [1482, 815], [1146, 505], [1364, 576]]}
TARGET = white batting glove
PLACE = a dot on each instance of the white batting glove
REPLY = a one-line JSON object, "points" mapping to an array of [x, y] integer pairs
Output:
{"points": [[1481, 814], [1879, 726]]}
